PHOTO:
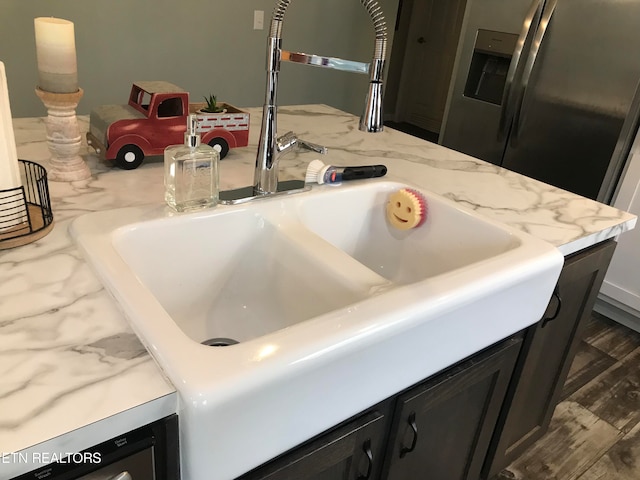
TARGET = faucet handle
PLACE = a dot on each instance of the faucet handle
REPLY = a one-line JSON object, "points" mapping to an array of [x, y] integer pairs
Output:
{"points": [[290, 139], [312, 146]]}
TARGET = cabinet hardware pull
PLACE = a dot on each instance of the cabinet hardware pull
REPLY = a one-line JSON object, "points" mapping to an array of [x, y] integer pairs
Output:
{"points": [[122, 476], [414, 427], [366, 447], [556, 294]]}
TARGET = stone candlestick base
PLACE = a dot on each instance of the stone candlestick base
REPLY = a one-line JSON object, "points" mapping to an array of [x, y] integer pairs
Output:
{"points": [[63, 136]]}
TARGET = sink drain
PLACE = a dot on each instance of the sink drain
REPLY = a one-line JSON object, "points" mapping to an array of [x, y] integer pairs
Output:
{"points": [[220, 342]]}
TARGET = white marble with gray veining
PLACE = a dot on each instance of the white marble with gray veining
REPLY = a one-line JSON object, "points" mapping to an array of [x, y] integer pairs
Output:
{"points": [[68, 359]]}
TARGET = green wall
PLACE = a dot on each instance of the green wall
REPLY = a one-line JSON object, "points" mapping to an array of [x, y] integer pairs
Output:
{"points": [[203, 46]]}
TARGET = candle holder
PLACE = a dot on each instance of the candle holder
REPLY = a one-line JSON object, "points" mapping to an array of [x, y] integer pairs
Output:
{"points": [[63, 136], [25, 211]]}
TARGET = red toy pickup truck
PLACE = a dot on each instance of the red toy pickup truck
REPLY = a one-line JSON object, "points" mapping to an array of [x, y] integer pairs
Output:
{"points": [[156, 117]]}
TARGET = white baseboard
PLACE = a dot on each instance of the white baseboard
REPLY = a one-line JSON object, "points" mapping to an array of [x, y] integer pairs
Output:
{"points": [[617, 312]]}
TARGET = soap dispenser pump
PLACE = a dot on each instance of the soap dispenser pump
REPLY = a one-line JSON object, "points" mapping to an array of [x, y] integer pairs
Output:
{"points": [[191, 172]]}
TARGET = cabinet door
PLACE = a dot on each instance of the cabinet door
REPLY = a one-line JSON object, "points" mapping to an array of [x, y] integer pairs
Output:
{"points": [[442, 428], [349, 452], [548, 350]]}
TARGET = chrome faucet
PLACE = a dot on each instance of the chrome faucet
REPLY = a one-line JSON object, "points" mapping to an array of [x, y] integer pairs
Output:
{"points": [[270, 146]]}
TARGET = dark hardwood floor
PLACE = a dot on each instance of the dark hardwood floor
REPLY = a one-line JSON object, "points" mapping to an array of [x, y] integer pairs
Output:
{"points": [[595, 431]]}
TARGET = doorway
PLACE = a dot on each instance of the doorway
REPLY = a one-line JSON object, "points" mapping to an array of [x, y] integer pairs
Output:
{"points": [[421, 65]]}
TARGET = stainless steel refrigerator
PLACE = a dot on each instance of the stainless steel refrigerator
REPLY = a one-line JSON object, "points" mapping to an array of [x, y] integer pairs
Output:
{"points": [[548, 89]]}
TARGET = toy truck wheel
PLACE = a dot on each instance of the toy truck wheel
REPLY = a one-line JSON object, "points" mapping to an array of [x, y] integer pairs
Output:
{"points": [[220, 145], [129, 157]]}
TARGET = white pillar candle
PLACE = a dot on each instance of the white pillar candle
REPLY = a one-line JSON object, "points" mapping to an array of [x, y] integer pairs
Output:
{"points": [[9, 168], [56, 54]]}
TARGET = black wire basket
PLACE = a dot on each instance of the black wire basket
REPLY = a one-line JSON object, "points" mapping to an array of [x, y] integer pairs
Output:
{"points": [[25, 211]]}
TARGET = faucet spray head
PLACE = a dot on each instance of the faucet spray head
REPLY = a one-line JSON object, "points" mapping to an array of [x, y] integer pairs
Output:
{"points": [[371, 120]]}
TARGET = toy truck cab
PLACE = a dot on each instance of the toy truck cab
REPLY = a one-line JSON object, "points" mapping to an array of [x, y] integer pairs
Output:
{"points": [[155, 118]]}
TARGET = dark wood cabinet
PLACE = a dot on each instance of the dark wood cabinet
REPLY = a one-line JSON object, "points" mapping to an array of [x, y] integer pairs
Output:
{"points": [[441, 429], [548, 350], [352, 451]]}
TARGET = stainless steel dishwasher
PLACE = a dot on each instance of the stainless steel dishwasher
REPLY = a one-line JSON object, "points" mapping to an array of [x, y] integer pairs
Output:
{"points": [[146, 453]]}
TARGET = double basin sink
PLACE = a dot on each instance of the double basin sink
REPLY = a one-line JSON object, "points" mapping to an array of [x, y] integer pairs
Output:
{"points": [[279, 318]]}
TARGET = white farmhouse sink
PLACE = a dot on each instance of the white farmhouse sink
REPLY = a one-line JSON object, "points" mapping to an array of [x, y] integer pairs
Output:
{"points": [[233, 276], [355, 222], [334, 310]]}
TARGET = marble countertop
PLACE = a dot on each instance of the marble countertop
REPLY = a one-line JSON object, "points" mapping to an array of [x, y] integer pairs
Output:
{"points": [[69, 359]]}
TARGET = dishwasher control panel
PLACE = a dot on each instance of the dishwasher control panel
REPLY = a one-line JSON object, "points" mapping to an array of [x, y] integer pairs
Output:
{"points": [[146, 453]]}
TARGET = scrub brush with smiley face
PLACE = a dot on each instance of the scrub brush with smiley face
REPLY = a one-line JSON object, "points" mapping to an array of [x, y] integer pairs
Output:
{"points": [[406, 209]]}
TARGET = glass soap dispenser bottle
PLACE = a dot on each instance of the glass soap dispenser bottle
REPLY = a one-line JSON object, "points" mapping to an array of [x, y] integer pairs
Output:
{"points": [[191, 172]]}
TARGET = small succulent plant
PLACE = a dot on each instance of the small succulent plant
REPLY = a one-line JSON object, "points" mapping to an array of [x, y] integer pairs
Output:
{"points": [[212, 105]]}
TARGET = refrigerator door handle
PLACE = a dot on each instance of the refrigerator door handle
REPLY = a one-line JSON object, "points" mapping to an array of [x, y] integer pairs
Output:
{"points": [[529, 27], [528, 68]]}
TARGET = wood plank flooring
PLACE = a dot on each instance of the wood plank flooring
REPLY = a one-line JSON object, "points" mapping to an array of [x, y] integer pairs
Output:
{"points": [[595, 430]]}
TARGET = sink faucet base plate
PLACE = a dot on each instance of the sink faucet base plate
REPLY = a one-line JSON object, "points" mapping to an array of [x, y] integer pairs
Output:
{"points": [[245, 194]]}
